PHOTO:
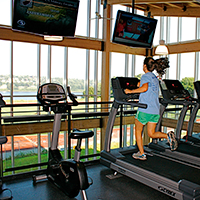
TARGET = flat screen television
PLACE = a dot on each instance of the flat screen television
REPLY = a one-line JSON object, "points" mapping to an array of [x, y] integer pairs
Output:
{"points": [[46, 17], [134, 30]]}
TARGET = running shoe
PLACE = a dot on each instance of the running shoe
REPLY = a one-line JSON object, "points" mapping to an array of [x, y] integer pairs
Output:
{"points": [[139, 156], [172, 140]]}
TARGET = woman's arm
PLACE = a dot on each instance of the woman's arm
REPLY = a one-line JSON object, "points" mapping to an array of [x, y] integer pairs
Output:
{"points": [[141, 89]]}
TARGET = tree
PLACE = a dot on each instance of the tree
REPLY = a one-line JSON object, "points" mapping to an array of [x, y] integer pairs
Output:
{"points": [[91, 91], [139, 76], [188, 84]]}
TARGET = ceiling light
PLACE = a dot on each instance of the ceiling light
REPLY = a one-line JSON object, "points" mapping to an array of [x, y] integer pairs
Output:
{"points": [[161, 49], [53, 38]]}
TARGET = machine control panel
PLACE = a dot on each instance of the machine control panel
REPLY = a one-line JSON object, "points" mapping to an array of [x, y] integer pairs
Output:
{"points": [[119, 84], [173, 89], [51, 92]]}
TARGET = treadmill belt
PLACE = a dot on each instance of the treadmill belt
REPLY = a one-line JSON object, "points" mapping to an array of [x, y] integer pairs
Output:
{"points": [[189, 149], [167, 168]]}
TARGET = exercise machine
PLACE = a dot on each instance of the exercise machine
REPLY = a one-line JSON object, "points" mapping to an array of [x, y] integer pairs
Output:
{"points": [[3, 140], [195, 138], [159, 172], [174, 93], [69, 175], [3, 196]]}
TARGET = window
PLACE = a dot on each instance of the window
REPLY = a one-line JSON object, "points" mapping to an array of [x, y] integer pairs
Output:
{"points": [[187, 71], [24, 70], [5, 12], [77, 69], [188, 24], [173, 29], [57, 65], [172, 68]]}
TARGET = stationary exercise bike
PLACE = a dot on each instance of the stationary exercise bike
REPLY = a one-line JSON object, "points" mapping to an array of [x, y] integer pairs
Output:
{"points": [[3, 140], [69, 175]]}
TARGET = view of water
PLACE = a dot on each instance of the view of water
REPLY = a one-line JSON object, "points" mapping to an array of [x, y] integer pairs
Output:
{"points": [[25, 94]]}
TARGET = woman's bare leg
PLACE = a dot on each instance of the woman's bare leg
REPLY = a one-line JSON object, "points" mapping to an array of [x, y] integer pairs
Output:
{"points": [[170, 136], [138, 134], [151, 127]]}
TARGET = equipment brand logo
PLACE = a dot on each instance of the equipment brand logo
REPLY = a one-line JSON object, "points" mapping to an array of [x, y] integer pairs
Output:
{"points": [[169, 192], [21, 23]]}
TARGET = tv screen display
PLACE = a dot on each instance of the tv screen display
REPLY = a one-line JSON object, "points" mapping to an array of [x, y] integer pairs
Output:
{"points": [[134, 30], [46, 17]]}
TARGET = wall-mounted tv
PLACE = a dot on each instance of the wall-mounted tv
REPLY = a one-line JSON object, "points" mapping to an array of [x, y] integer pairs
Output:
{"points": [[46, 17], [134, 30]]}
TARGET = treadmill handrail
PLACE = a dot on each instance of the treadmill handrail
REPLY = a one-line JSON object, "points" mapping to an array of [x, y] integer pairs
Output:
{"points": [[132, 103], [177, 102]]}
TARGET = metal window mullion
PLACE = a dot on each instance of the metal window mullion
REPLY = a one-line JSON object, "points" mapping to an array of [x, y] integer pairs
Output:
{"points": [[161, 28], [96, 53], [126, 75], [125, 126], [110, 55], [38, 84], [11, 75], [133, 75], [87, 77], [198, 28], [168, 23], [49, 64], [196, 64], [96, 74], [197, 34], [196, 67], [49, 80], [179, 37], [11, 101], [168, 30], [87, 81], [179, 32], [66, 67], [133, 66], [95, 78], [178, 73]]}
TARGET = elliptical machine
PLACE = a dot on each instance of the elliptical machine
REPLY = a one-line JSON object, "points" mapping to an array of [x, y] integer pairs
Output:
{"points": [[69, 175]]}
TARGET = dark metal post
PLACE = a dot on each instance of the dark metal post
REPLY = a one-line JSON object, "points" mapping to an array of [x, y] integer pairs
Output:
{"points": [[121, 120], [133, 6], [69, 130]]}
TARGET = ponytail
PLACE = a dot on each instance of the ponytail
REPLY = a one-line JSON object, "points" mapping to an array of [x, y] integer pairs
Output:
{"points": [[160, 65]]}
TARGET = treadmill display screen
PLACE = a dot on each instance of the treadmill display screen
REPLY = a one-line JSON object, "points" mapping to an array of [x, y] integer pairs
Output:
{"points": [[129, 83], [121, 83], [174, 85], [174, 89], [197, 88]]}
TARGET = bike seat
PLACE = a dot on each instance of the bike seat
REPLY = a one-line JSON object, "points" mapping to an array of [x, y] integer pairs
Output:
{"points": [[78, 134], [3, 139]]}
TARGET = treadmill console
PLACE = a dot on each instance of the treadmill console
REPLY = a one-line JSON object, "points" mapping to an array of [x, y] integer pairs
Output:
{"points": [[197, 88], [51, 93], [173, 89], [121, 83]]}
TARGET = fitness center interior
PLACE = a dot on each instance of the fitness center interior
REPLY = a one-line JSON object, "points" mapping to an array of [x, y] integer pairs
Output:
{"points": [[67, 126]]}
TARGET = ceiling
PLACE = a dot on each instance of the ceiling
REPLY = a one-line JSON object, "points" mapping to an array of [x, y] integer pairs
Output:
{"points": [[176, 8]]}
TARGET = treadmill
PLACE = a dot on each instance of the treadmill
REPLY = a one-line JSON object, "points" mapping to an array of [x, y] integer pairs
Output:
{"points": [[174, 93], [194, 137], [163, 174]]}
